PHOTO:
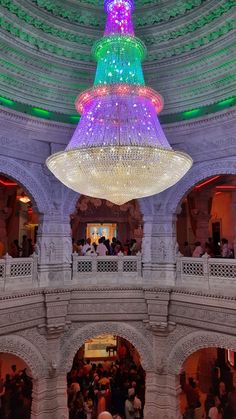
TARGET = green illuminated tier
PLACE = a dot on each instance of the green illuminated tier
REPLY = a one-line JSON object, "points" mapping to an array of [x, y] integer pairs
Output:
{"points": [[119, 60]]}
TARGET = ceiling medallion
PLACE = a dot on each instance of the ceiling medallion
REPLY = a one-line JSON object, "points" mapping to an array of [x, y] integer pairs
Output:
{"points": [[119, 151]]}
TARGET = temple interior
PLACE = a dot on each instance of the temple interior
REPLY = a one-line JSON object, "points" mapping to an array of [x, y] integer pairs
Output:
{"points": [[117, 209]]}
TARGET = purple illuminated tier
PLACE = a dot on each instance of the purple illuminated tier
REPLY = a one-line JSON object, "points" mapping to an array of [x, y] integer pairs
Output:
{"points": [[119, 120], [119, 17]]}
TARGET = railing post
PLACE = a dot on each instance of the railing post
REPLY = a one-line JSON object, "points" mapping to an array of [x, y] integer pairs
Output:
{"points": [[35, 278], [120, 263], [205, 258], [74, 265], [178, 269], [7, 268], [139, 263], [94, 262]]}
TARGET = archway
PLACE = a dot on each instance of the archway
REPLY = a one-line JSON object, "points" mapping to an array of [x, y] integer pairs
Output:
{"points": [[207, 216], [95, 218], [26, 355], [106, 374], [18, 219], [33, 181], [207, 380], [137, 338], [169, 200], [216, 345]]}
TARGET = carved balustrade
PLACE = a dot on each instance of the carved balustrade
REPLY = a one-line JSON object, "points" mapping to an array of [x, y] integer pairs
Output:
{"points": [[206, 273], [111, 267], [18, 273]]}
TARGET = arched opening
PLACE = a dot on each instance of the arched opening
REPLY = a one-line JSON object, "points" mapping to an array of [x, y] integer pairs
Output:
{"points": [[208, 216], [106, 374], [16, 385], [207, 381], [96, 218], [18, 219]]}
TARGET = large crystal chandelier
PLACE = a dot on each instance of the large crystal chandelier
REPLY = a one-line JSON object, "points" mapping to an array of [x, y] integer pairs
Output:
{"points": [[119, 151]]}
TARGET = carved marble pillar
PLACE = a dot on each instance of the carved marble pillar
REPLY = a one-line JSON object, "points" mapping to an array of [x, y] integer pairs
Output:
{"points": [[50, 398], [54, 249], [161, 398], [159, 249]]}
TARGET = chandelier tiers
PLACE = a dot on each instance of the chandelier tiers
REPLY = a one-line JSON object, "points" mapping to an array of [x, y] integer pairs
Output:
{"points": [[119, 151]]}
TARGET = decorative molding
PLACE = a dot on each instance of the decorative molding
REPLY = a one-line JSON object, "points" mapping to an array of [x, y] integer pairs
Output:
{"points": [[33, 181], [21, 347], [125, 330], [193, 342], [199, 171]]}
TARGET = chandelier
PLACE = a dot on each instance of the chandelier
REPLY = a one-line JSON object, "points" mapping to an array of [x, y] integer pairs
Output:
{"points": [[119, 151]]}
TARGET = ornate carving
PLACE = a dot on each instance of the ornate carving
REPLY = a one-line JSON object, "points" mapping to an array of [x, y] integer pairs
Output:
{"points": [[21, 347], [195, 341], [124, 330], [36, 187], [199, 172]]}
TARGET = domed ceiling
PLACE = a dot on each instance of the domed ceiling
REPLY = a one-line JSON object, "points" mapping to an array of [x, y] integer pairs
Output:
{"points": [[46, 54]]}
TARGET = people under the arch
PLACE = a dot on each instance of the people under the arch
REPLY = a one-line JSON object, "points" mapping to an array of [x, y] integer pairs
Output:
{"points": [[16, 394], [115, 384]]}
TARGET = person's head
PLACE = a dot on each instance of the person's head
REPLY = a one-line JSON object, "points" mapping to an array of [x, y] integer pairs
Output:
{"points": [[185, 243], [88, 241], [24, 237], [13, 367], [224, 241], [210, 240], [197, 243], [100, 240], [105, 415], [113, 239]]}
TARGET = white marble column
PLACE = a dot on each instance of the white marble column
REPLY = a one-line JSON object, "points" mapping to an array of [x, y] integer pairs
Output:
{"points": [[50, 398], [54, 249], [159, 249], [162, 397]]}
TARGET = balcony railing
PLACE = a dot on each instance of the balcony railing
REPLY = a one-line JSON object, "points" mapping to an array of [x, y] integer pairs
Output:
{"points": [[206, 273], [111, 267], [18, 273]]}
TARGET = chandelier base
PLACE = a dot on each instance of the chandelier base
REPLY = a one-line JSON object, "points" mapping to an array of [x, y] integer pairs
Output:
{"points": [[119, 173]]}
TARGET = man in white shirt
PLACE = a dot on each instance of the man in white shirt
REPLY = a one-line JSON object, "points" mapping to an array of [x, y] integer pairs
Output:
{"points": [[87, 248], [101, 249]]}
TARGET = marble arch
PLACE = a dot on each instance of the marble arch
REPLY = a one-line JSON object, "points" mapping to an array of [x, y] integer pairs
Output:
{"points": [[199, 172], [27, 180], [195, 341], [123, 330], [21, 347]]}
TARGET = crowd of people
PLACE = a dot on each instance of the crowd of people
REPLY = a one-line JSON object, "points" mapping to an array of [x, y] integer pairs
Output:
{"points": [[114, 386], [105, 247], [16, 250], [16, 395], [220, 402], [209, 249]]}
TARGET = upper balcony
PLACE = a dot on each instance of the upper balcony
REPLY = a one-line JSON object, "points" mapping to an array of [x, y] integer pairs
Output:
{"points": [[210, 274]]}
